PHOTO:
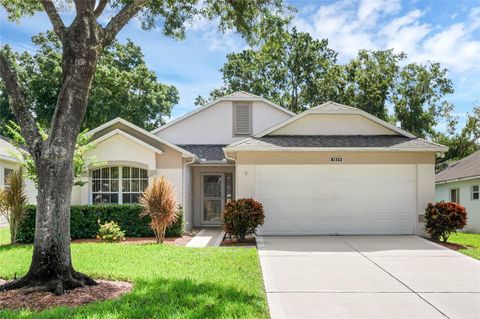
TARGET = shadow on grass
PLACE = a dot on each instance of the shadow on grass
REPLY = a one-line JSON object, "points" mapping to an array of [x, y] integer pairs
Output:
{"points": [[165, 298]]}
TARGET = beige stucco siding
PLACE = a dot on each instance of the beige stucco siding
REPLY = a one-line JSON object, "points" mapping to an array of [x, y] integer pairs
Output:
{"points": [[471, 205], [30, 189], [327, 124], [214, 125]]}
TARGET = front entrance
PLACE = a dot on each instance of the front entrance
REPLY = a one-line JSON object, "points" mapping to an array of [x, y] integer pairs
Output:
{"points": [[217, 189]]}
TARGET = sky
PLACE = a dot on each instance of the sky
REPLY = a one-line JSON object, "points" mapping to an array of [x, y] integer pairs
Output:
{"points": [[445, 31]]}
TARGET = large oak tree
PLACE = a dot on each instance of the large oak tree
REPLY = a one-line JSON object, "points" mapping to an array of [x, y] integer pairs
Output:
{"points": [[82, 44]]}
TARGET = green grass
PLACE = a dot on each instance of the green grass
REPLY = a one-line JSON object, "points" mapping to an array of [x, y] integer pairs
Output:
{"points": [[471, 241], [4, 236], [169, 281]]}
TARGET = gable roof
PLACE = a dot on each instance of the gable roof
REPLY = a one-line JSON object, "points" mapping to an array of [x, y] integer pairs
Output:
{"points": [[335, 108], [237, 96], [207, 153], [466, 168], [119, 124]]}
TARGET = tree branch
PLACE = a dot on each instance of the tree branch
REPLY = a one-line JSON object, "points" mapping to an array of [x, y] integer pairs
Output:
{"points": [[121, 19], [18, 105], [54, 17], [100, 7]]}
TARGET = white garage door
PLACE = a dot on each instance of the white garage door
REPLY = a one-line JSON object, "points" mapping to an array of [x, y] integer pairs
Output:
{"points": [[337, 199]]}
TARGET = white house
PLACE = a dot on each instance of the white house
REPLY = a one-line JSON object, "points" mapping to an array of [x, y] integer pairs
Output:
{"points": [[333, 169], [460, 183]]}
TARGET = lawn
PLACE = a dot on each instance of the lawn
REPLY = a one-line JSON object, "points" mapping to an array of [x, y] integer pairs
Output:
{"points": [[472, 241], [170, 281]]}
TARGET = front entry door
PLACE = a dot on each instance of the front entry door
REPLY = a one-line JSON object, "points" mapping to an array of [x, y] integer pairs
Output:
{"points": [[213, 197]]}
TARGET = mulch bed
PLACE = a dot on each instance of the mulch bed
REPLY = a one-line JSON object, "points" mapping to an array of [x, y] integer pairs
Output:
{"points": [[450, 245], [177, 241], [249, 242], [39, 300]]}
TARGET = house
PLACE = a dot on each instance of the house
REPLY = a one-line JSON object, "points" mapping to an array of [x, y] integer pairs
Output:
{"points": [[460, 183], [333, 169]]}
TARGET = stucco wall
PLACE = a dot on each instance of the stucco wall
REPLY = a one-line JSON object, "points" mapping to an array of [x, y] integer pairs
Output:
{"points": [[30, 189], [339, 124], [472, 206], [214, 125]]}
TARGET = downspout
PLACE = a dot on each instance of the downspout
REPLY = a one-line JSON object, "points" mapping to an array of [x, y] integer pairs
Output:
{"points": [[183, 187], [235, 176]]}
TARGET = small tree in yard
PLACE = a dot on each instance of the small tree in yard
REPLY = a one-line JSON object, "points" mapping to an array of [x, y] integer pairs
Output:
{"points": [[159, 203], [13, 201], [443, 219], [241, 217]]}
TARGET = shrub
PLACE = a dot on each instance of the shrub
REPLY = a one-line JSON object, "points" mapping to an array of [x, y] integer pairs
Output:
{"points": [[12, 202], [241, 217], [443, 219], [159, 203], [84, 222], [110, 232]]}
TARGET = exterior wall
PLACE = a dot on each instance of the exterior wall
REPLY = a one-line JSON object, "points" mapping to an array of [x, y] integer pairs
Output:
{"points": [[214, 125], [425, 193], [30, 189], [339, 124], [197, 187], [472, 206], [188, 197], [170, 165]]}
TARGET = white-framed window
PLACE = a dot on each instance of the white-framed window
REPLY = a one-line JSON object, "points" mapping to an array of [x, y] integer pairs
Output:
{"points": [[455, 195], [242, 118], [6, 173], [474, 192], [118, 184]]}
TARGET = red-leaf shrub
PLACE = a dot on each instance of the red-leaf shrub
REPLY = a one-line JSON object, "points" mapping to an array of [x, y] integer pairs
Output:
{"points": [[443, 219], [241, 217]]}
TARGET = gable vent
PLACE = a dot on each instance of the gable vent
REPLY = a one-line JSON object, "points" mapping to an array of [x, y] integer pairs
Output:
{"points": [[242, 121]]}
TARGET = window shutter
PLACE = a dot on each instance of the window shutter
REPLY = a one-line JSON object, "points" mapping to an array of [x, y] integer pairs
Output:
{"points": [[242, 119]]}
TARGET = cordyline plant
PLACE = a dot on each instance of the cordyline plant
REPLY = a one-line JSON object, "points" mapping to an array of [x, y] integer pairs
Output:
{"points": [[159, 203], [242, 217], [13, 201], [82, 41], [443, 219]]}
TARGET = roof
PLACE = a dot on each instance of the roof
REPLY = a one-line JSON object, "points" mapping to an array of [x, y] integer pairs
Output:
{"points": [[335, 108], [136, 132], [10, 141], [329, 142], [207, 152], [468, 167], [237, 96]]}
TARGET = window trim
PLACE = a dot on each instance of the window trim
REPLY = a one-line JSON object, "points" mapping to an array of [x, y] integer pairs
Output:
{"points": [[473, 192], [234, 118], [5, 175], [457, 194]]}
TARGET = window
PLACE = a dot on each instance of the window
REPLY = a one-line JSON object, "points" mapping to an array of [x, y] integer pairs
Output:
{"points": [[455, 195], [6, 172], [242, 119], [118, 184], [475, 192]]}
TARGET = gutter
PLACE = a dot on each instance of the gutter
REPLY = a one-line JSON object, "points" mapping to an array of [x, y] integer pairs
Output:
{"points": [[334, 149], [467, 178]]}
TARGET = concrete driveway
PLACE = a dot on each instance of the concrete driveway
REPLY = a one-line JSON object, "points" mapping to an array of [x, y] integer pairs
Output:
{"points": [[367, 277]]}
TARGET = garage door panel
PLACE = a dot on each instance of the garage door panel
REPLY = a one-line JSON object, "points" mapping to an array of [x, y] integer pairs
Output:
{"points": [[337, 199]]}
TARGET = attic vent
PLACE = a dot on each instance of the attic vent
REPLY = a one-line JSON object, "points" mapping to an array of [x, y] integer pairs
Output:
{"points": [[242, 121]]}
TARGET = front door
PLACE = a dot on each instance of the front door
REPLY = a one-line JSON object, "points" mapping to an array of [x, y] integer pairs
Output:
{"points": [[213, 197]]}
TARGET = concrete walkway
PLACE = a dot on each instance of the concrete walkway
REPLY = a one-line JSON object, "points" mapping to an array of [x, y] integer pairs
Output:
{"points": [[207, 237], [367, 277]]}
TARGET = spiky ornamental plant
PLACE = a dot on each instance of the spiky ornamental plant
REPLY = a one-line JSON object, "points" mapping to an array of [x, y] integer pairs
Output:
{"points": [[13, 201], [159, 203]]}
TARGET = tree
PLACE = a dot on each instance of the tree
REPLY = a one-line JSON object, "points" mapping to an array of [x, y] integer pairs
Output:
{"points": [[122, 86], [83, 42], [13, 201], [284, 69], [159, 203]]}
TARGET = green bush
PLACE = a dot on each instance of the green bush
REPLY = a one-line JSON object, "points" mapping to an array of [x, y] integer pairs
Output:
{"points": [[84, 222], [241, 217], [110, 232], [443, 219]]}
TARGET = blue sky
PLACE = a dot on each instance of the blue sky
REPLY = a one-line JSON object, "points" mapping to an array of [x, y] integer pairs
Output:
{"points": [[435, 30]]}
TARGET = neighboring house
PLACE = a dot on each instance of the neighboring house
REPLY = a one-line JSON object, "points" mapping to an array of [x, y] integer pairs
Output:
{"points": [[460, 183], [8, 163], [333, 169]]}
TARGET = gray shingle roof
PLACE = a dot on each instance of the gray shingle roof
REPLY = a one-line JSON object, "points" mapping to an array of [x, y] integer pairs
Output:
{"points": [[206, 152], [464, 168], [353, 141]]}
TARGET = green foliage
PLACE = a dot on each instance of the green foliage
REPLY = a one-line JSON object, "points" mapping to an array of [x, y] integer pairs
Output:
{"points": [[84, 222], [123, 86], [443, 219], [242, 217], [80, 162], [110, 232], [12, 202], [178, 227]]}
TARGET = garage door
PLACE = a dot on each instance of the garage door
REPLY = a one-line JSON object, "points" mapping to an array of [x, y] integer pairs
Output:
{"points": [[337, 199]]}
